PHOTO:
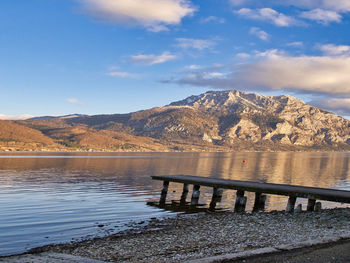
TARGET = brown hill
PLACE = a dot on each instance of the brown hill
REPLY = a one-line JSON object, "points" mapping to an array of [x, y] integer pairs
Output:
{"points": [[87, 138], [18, 137], [80, 136]]}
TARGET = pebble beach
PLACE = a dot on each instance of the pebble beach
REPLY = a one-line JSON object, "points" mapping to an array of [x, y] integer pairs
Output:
{"points": [[185, 237]]}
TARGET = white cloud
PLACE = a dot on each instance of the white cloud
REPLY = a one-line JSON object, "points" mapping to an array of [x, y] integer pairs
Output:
{"points": [[113, 67], [74, 101], [243, 55], [259, 33], [121, 74], [216, 66], [193, 67], [335, 5], [213, 75], [214, 19], [199, 44], [238, 2], [270, 53], [274, 70], [322, 16], [15, 117], [335, 50], [269, 15], [153, 59], [301, 74], [155, 15], [338, 105], [204, 76], [295, 44]]}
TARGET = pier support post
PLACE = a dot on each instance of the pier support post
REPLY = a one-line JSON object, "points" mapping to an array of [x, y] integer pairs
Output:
{"points": [[217, 195], [259, 203], [311, 204], [184, 195], [318, 207], [164, 193], [291, 204], [299, 208], [195, 194], [241, 202]]}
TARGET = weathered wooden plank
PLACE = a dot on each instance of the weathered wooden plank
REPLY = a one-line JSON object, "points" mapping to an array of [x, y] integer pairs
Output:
{"points": [[267, 188]]}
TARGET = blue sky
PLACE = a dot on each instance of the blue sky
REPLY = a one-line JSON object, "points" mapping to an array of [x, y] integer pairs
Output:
{"points": [[115, 56]]}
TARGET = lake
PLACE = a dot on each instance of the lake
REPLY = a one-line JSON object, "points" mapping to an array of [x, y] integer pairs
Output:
{"points": [[61, 197]]}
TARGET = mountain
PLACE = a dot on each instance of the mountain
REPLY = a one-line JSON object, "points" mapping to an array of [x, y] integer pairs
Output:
{"points": [[213, 121], [276, 119]]}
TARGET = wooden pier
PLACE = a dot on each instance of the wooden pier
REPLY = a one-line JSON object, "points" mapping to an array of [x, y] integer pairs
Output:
{"points": [[260, 189]]}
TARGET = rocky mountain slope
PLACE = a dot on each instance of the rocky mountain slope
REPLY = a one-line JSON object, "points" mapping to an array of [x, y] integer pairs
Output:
{"points": [[279, 119], [215, 120]]}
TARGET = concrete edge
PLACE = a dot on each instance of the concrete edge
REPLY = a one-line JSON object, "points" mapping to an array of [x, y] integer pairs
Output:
{"points": [[271, 250]]}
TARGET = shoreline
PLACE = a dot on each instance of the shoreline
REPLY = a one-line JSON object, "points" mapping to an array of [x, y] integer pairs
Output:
{"points": [[233, 151], [189, 237], [165, 151]]}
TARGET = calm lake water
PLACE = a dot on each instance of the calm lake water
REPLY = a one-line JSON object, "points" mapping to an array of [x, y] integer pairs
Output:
{"points": [[60, 197]]}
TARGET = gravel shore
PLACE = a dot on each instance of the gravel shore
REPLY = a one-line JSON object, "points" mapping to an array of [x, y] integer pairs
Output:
{"points": [[186, 237]]}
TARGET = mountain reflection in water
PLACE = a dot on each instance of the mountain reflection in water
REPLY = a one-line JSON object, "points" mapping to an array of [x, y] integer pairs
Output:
{"points": [[50, 198]]}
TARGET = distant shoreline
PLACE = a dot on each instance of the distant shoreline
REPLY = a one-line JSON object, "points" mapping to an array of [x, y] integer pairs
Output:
{"points": [[82, 151]]}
